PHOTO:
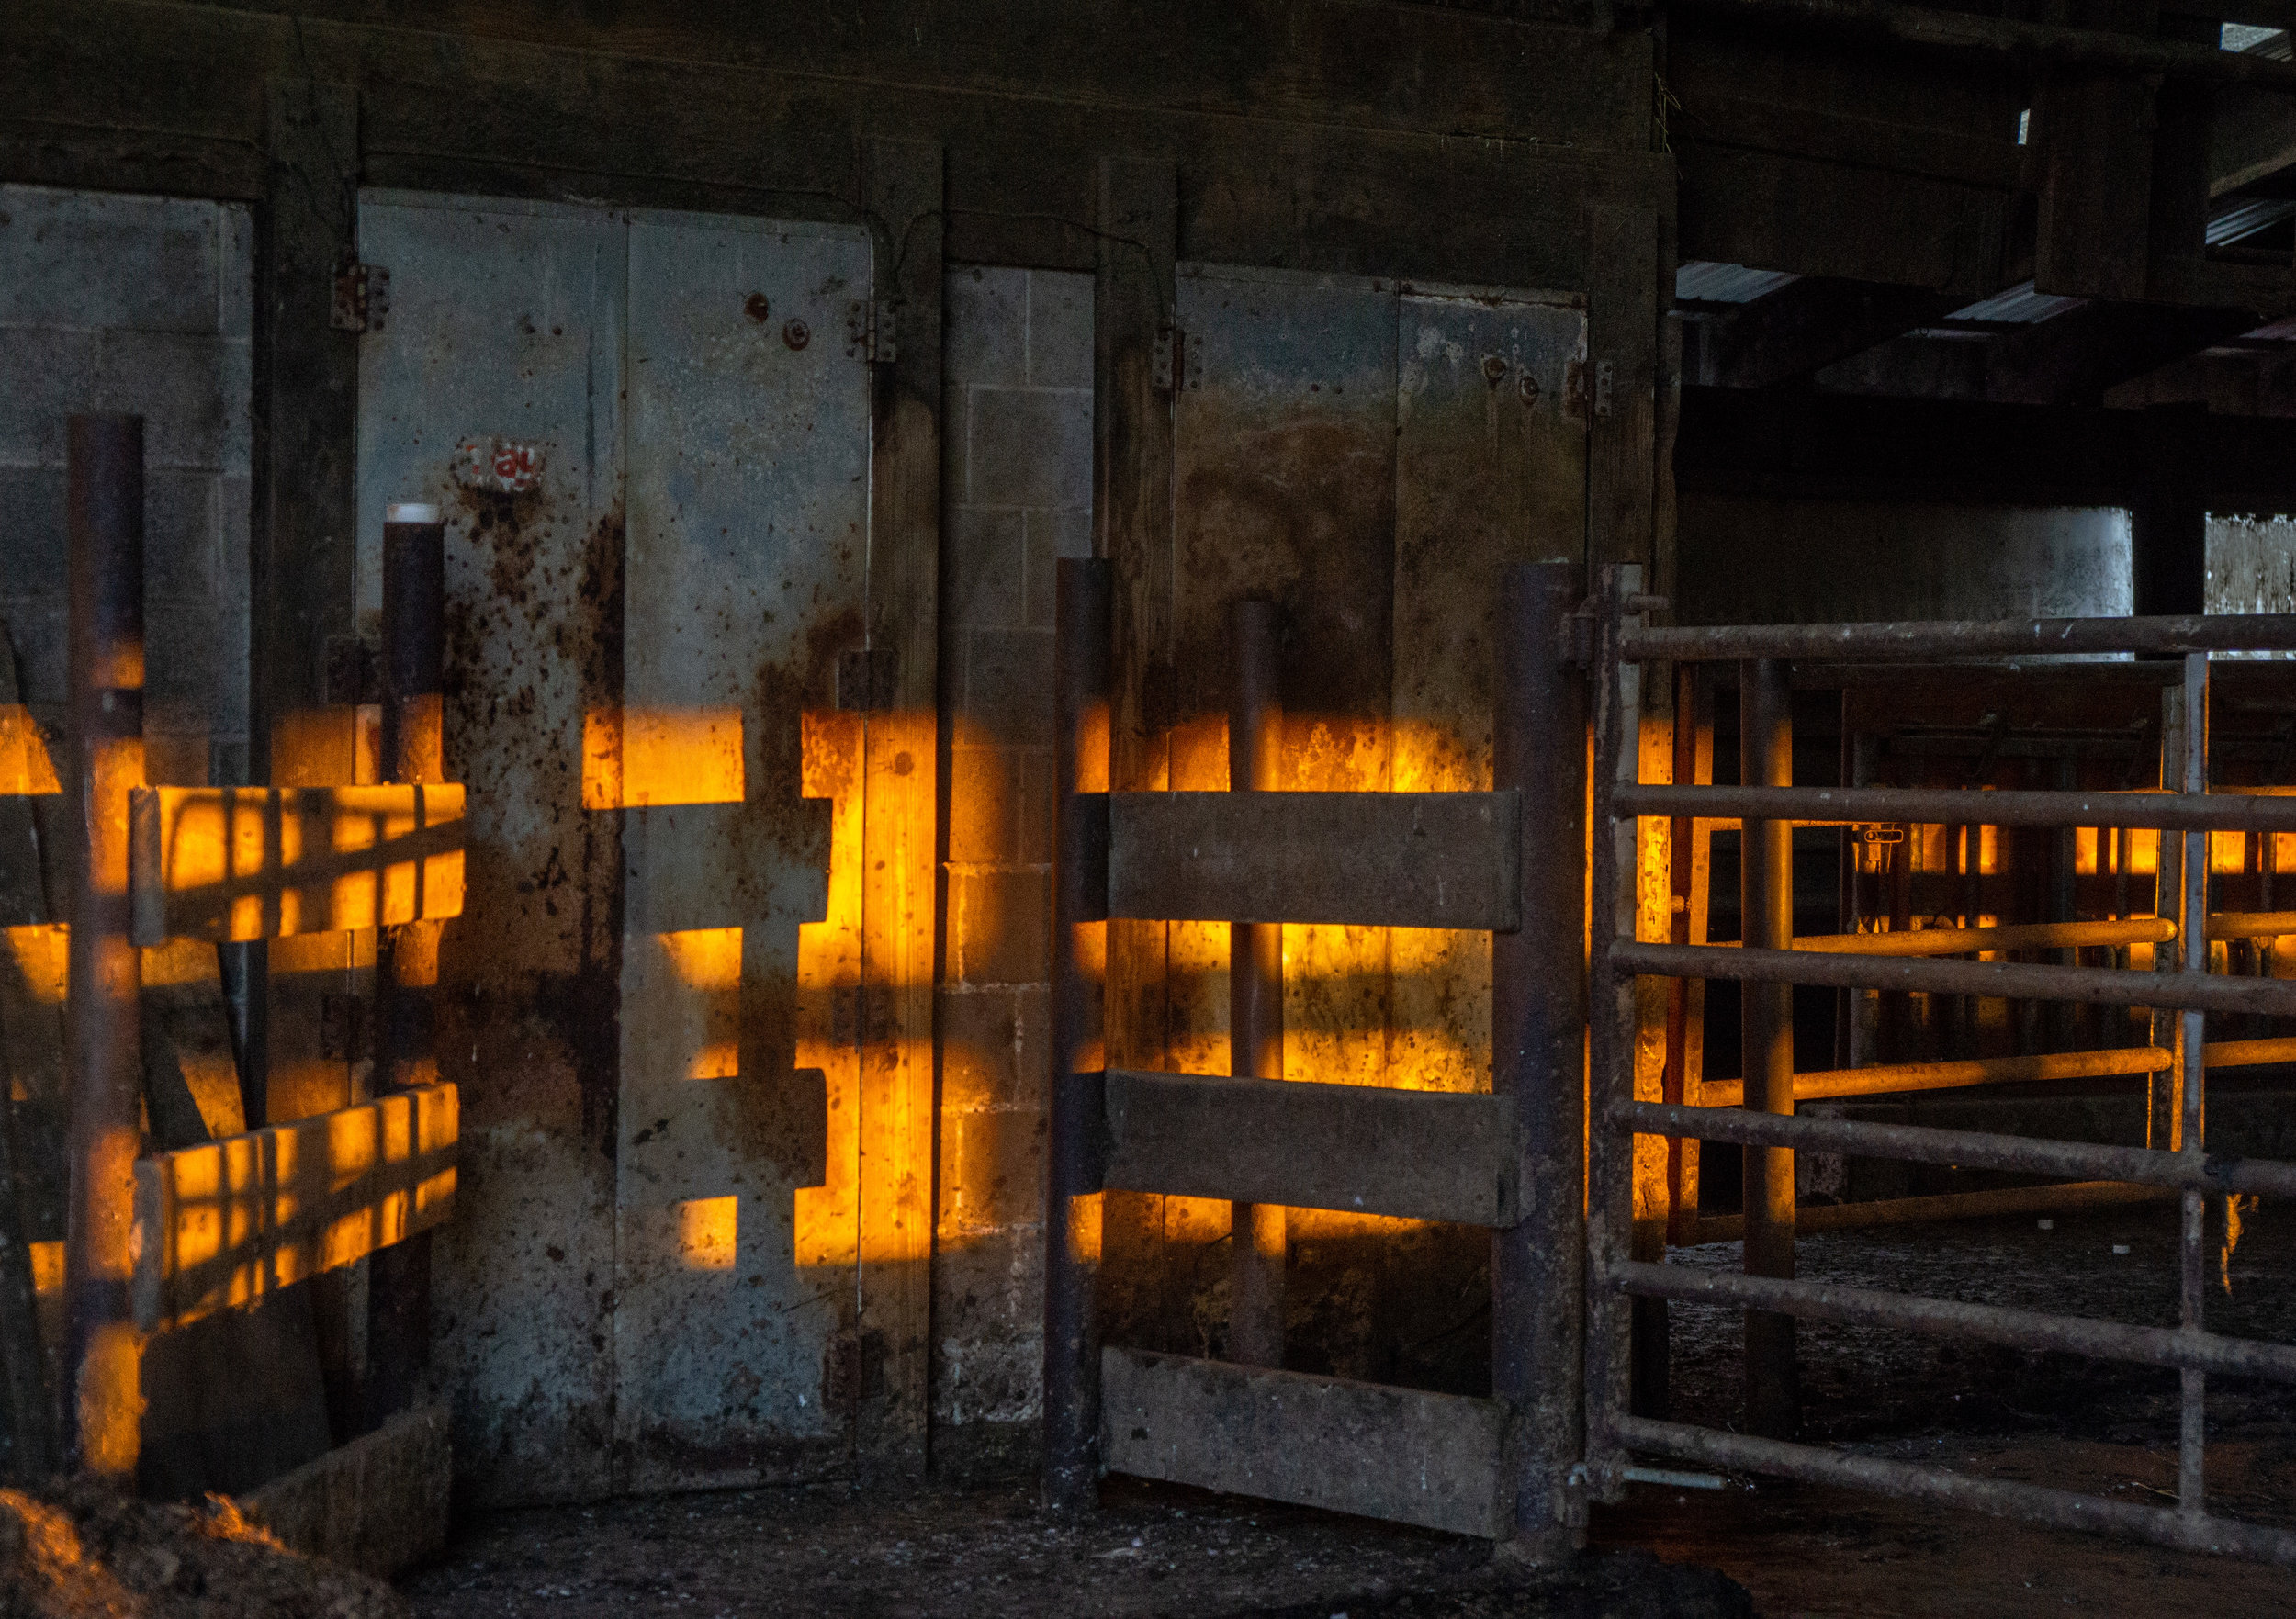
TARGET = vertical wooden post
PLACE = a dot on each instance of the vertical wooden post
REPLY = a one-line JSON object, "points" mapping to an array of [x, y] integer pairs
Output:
{"points": [[1080, 766], [1766, 904], [901, 184], [414, 636], [1538, 1005], [303, 564], [104, 1399], [1133, 454], [1256, 993]]}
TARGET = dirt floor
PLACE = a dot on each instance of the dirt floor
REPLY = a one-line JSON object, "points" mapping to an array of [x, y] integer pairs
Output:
{"points": [[86, 1550], [1153, 1550]]}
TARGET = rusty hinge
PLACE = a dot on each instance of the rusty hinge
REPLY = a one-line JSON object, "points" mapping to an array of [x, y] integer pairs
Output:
{"points": [[1167, 342], [362, 296], [1587, 390], [871, 328]]}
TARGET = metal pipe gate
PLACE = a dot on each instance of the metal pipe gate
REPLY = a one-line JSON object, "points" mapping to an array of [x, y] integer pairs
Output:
{"points": [[1770, 804]]}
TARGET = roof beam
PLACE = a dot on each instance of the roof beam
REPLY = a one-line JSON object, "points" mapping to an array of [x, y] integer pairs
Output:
{"points": [[1788, 443], [2074, 357], [1802, 328]]}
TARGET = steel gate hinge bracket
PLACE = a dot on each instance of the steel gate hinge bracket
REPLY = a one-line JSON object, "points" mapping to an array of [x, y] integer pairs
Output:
{"points": [[1605, 373], [872, 328], [1162, 367], [362, 296]]}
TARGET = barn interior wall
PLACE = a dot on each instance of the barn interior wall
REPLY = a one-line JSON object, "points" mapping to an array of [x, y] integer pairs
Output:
{"points": [[141, 304], [1754, 559], [1017, 496], [1320, 136]]}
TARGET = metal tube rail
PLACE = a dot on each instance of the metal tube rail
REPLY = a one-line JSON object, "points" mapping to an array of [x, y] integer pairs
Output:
{"points": [[2015, 936], [1921, 1143], [2191, 1085], [1772, 1381], [1616, 704], [2251, 924], [104, 733], [2063, 1509], [1923, 640], [415, 751], [1845, 1217], [2020, 1328], [2109, 986], [1834, 806], [1890, 1078]]}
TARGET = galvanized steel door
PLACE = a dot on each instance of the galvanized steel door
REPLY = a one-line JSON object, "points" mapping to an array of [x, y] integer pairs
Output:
{"points": [[652, 439]]}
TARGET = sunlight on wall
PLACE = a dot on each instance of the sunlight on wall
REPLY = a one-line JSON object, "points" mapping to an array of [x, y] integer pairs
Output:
{"points": [[708, 960], [827, 1216], [709, 1230], [633, 756]]}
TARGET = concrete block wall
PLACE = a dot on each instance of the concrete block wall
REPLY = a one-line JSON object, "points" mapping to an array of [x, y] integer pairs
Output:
{"points": [[1017, 496], [138, 304]]}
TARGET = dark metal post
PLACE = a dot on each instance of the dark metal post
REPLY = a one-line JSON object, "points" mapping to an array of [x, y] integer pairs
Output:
{"points": [[1080, 769], [414, 634], [1538, 1050], [103, 1039], [1256, 993], [1615, 714], [1766, 904], [2191, 1085]]}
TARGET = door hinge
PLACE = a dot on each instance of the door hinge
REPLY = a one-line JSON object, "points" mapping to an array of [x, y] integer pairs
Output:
{"points": [[362, 298], [871, 329], [1161, 368]]}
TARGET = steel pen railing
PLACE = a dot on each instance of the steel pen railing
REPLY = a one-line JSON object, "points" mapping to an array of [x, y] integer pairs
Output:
{"points": [[1768, 962]]}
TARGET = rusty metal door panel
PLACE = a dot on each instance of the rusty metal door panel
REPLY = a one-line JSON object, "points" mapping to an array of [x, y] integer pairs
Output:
{"points": [[1490, 470], [507, 323], [1285, 444], [748, 475]]}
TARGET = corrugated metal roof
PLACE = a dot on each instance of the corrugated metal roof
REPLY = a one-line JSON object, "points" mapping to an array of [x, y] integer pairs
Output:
{"points": [[2248, 215], [1707, 282], [2020, 306]]}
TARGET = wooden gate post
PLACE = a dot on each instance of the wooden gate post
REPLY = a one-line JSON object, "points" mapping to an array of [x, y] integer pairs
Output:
{"points": [[1256, 993], [1538, 1049], [1080, 885]]}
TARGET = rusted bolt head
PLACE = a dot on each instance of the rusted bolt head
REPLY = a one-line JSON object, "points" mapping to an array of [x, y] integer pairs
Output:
{"points": [[755, 306], [1493, 369], [796, 334], [1527, 385]]}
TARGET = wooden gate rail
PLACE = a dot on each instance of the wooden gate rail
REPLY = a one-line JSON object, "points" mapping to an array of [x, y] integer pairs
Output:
{"points": [[1495, 1467], [225, 1224], [1768, 1291]]}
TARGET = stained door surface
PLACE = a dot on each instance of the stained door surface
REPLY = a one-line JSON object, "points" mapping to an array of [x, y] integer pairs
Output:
{"points": [[651, 442], [1372, 456]]}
